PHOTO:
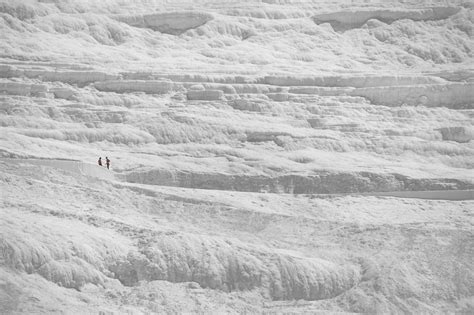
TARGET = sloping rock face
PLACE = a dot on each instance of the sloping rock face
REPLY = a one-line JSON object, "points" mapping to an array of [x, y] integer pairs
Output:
{"points": [[326, 183], [344, 20], [232, 266], [174, 23], [71, 166]]}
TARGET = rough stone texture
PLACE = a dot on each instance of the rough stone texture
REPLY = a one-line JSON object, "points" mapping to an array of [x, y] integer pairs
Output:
{"points": [[206, 95], [124, 86], [453, 95], [25, 89], [64, 93], [278, 97], [458, 134], [227, 266]]}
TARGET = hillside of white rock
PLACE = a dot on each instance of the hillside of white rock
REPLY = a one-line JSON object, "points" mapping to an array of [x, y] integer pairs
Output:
{"points": [[274, 156]]}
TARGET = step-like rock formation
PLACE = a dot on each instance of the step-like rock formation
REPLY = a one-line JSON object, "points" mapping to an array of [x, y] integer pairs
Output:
{"points": [[433, 194], [25, 89], [226, 88], [174, 23], [344, 20], [278, 97], [453, 95], [351, 80], [206, 95], [324, 182], [322, 91], [125, 86], [81, 78]]}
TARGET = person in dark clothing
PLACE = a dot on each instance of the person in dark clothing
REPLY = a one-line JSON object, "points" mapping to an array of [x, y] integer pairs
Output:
{"points": [[107, 162], [100, 161]]}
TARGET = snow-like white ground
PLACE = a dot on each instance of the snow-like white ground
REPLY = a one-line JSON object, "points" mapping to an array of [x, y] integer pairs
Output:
{"points": [[289, 156]]}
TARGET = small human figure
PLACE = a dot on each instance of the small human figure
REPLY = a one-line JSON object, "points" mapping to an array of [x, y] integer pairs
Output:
{"points": [[100, 161], [107, 162]]}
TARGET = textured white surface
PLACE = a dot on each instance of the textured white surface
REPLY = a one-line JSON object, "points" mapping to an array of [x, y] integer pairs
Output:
{"points": [[261, 160]]}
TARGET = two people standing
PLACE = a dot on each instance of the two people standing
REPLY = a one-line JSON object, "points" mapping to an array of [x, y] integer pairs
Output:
{"points": [[107, 162]]}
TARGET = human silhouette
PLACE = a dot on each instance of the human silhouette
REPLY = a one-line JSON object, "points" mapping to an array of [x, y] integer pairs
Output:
{"points": [[100, 161], [107, 162]]}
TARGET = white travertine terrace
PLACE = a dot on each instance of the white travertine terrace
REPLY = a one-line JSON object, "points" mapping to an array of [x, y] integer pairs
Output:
{"points": [[169, 22], [343, 20], [262, 160]]}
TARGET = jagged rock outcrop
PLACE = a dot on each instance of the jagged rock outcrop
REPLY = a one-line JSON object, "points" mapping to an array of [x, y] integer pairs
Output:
{"points": [[174, 23], [344, 20]]}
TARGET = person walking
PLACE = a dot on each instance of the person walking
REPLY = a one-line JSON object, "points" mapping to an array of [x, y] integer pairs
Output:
{"points": [[107, 162], [100, 161]]}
